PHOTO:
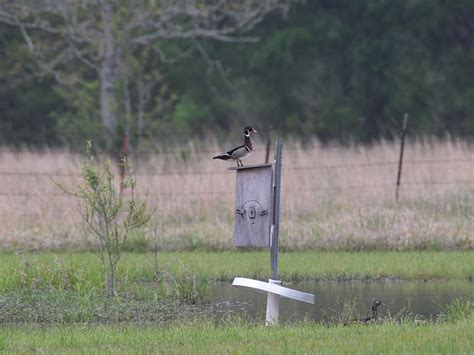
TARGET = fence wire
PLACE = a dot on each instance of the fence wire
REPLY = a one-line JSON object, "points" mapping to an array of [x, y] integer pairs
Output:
{"points": [[154, 174], [224, 172], [292, 190]]}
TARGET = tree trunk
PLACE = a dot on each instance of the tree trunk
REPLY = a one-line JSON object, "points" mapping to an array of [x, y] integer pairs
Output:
{"points": [[107, 281], [140, 108], [111, 287], [108, 74]]}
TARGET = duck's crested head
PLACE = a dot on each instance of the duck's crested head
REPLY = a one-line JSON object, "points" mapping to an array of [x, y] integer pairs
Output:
{"points": [[248, 130], [376, 303]]}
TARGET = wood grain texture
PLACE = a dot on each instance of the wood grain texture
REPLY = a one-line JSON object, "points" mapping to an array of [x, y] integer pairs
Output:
{"points": [[253, 201]]}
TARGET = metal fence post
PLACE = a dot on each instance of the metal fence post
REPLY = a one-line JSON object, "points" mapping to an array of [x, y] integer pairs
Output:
{"points": [[400, 160]]}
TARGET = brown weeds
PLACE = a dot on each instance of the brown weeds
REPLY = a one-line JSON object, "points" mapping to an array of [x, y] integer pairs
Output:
{"points": [[333, 197]]}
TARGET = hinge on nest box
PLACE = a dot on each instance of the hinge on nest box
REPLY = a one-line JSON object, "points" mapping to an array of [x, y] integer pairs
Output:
{"points": [[241, 212]]}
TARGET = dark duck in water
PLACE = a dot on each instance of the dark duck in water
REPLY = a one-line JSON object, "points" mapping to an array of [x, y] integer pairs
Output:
{"points": [[375, 314]]}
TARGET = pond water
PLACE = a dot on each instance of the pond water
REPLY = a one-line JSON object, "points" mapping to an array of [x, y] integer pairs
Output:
{"points": [[426, 299]]}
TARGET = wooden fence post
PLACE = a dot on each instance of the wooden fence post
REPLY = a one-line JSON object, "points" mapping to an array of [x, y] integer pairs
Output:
{"points": [[123, 161], [267, 153]]}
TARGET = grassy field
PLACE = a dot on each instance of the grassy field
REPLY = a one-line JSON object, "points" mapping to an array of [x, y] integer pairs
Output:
{"points": [[443, 338], [67, 288], [54, 302], [333, 198], [83, 270]]}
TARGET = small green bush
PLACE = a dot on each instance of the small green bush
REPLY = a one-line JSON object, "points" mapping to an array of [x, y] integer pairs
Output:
{"points": [[110, 213], [459, 309]]}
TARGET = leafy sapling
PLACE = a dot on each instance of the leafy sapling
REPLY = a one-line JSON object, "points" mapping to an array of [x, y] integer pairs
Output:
{"points": [[108, 212]]}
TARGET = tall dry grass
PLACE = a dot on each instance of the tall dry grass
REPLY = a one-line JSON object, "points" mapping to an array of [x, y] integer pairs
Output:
{"points": [[332, 197]]}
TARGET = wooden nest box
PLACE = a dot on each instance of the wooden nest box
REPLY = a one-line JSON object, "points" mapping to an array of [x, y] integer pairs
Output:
{"points": [[257, 224], [253, 206]]}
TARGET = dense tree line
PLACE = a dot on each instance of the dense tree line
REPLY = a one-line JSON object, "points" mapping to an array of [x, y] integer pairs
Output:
{"points": [[338, 69]]}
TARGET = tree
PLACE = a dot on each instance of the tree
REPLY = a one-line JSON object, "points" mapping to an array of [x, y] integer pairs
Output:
{"points": [[102, 36], [21, 99], [109, 214]]}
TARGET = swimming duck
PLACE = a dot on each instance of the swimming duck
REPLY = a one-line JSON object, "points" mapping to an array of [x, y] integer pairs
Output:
{"points": [[375, 305]]}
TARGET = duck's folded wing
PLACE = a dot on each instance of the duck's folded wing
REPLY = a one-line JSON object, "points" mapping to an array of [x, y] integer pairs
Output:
{"points": [[238, 152]]}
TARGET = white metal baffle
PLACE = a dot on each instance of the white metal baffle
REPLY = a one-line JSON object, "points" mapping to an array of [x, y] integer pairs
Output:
{"points": [[257, 209]]}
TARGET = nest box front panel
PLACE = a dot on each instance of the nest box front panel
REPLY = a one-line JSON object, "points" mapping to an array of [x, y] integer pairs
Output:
{"points": [[253, 207]]}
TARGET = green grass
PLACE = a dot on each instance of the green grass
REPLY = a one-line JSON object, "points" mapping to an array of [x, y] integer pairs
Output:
{"points": [[82, 271], [64, 291], [67, 288], [205, 337]]}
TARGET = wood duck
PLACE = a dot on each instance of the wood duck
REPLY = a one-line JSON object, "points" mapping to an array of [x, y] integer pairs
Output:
{"points": [[242, 151], [375, 305]]}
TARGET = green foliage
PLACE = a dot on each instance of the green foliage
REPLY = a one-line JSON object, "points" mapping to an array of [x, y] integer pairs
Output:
{"points": [[109, 214], [343, 71], [336, 69], [80, 118], [240, 337], [60, 275], [27, 106], [280, 49], [223, 266], [49, 307], [189, 115], [459, 309], [47, 288], [185, 285]]}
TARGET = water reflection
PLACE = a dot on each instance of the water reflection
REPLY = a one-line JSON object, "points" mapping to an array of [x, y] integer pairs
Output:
{"points": [[425, 299]]}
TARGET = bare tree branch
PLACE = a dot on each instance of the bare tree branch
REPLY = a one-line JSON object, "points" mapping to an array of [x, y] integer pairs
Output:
{"points": [[222, 20], [106, 35], [212, 64]]}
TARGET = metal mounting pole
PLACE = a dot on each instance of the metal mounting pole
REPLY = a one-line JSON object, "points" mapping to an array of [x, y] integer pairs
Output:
{"points": [[273, 288], [276, 211]]}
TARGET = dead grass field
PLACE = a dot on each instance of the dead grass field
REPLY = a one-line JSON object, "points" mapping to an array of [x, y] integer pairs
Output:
{"points": [[332, 198]]}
